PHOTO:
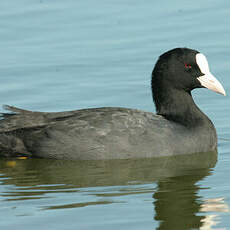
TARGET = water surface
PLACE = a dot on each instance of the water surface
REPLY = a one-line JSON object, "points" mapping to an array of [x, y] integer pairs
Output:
{"points": [[105, 194], [64, 55]]}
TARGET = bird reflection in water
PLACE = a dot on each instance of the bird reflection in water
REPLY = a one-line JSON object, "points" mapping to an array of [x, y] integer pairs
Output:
{"points": [[177, 202]]}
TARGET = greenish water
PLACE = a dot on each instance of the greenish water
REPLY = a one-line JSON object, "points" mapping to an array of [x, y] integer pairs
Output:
{"points": [[63, 55], [106, 194]]}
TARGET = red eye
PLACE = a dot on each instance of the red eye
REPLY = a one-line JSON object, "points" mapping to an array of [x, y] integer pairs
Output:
{"points": [[187, 66]]}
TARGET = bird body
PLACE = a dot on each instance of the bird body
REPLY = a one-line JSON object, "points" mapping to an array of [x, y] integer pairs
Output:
{"points": [[95, 134]]}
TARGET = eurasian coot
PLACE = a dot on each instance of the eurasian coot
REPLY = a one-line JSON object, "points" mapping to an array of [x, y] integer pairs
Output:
{"points": [[179, 127]]}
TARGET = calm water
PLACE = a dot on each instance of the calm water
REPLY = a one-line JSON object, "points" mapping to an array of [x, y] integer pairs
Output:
{"points": [[64, 55]]}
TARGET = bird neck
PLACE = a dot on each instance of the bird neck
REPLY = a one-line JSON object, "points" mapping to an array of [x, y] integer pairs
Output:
{"points": [[179, 106]]}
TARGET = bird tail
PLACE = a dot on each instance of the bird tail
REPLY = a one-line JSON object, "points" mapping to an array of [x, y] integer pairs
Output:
{"points": [[10, 144]]}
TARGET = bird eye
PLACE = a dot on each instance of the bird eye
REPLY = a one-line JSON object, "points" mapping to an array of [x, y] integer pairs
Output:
{"points": [[187, 66]]}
